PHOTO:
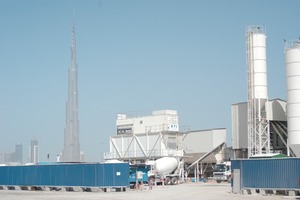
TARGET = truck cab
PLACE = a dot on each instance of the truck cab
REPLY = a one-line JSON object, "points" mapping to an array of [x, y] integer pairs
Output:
{"points": [[222, 172]]}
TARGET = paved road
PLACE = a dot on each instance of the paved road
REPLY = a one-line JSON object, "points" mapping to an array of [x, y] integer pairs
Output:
{"points": [[207, 191]]}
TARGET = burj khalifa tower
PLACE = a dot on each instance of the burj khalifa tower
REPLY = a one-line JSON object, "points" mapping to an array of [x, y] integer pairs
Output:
{"points": [[71, 152]]}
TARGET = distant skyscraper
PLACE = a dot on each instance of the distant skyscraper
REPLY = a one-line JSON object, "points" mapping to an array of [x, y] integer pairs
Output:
{"points": [[81, 156], [34, 151], [18, 155], [71, 152], [8, 157]]}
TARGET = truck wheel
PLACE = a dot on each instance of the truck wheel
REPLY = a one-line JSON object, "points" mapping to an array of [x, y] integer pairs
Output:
{"points": [[168, 181], [218, 181], [174, 181]]}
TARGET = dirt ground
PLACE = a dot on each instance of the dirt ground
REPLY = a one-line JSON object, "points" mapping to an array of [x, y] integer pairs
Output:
{"points": [[207, 191]]}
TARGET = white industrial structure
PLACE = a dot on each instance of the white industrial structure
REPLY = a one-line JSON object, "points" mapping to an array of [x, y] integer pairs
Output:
{"points": [[277, 122], [203, 149], [145, 146], [261, 126], [258, 124], [161, 120], [198, 142], [147, 138], [292, 59]]}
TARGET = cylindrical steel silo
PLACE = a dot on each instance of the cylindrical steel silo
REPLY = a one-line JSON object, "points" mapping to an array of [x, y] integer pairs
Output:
{"points": [[292, 59], [259, 66], [258, 126]]}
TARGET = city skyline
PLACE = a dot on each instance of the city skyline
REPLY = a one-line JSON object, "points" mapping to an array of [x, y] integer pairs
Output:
{"points": [[134, 56], [15, 157]]}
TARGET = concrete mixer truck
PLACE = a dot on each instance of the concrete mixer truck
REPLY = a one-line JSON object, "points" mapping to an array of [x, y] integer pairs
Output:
{"points": [[166, 170]]}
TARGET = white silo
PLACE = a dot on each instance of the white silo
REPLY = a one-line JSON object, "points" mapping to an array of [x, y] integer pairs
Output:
{"points": [[258, 125], [292, 59]]}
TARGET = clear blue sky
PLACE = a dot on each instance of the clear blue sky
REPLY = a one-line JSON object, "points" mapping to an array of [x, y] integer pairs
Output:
{"points": [[133, 56]]}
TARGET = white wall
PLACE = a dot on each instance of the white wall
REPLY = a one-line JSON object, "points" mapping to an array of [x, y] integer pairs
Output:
{"points": [[239, 125], [203, 140], [277, 110], [161, 120], [147, 145], [239, 118]]}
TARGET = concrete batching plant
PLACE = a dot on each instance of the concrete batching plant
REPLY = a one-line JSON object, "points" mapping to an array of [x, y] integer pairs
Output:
{"points": [[258, 124], [292, 59], [271, 126], [157, 138]]}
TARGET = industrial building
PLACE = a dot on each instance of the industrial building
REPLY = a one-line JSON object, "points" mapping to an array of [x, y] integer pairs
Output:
{"points": [[259, 125], [267, 130], [147, 137], [159, 121], [262, 126], [203, 149], [278, 127], [143, 138]]}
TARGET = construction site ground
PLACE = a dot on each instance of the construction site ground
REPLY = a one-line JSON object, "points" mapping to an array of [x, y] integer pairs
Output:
{"points": [[190, 190]]}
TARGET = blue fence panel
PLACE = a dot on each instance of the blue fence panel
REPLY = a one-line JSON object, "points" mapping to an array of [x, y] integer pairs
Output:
{"points": [[108, 178], [122, 175], [43, 175], [283, 173], [89, 175]]}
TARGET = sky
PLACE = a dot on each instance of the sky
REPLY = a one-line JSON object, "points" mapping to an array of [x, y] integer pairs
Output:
{"points": [[133, 57]]}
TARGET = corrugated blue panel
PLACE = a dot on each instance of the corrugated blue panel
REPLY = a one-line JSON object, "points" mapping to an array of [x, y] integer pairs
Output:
{"points": [[269, 173], [89, 175], [115, 176]]}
